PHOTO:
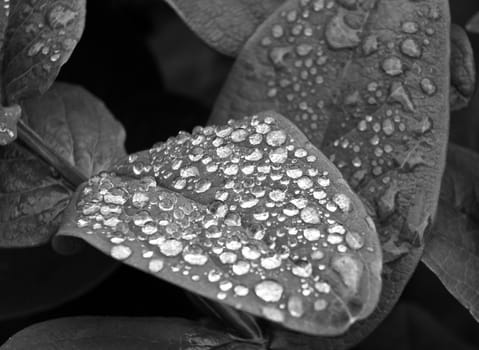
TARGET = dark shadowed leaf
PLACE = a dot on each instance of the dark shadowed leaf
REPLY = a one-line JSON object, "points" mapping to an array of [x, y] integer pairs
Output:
{"points": [[368, 83], [39, 38], [411, 327], [249, 214], [122, 333], [473, 24], [37, 279], [452, 248], [224, 24], [32, 196], [463, 69]]}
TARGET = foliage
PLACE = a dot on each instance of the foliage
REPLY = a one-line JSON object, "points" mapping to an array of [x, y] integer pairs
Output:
{"points": [[314, 221]]}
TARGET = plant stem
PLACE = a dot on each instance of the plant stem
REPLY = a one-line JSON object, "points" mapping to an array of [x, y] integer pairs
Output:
{"points": [[34, 142]]}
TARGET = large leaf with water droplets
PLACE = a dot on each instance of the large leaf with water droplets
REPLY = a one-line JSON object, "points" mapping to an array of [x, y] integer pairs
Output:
{"points": [[224, 24], [32, 196], [122, 333], [249, 214], [452, 248], [368, 83], [39, 38]]}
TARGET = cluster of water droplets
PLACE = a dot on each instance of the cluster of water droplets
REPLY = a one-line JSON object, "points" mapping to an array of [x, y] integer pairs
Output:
{"points": [[243, 208], [51, 30], [327, 65]]}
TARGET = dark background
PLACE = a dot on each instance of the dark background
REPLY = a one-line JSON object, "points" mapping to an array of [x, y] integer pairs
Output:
{"points": [[157, 78]]}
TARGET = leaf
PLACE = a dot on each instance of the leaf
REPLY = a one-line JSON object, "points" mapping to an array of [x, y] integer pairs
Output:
{"points": [[39, 38], [122, 333], [250, 214], [473, 24], [463, 69], [369, 85], [224, 24], [37, 279], [32, 197], [452, 248]]}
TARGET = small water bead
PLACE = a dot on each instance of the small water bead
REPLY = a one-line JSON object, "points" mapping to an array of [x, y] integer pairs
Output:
{"points": [[214, 276], [410, 27], [228, 257], [255, 155], [269, 291], [428, 86], [149, 228], [224, 151], [241, 290], [334, 239], [120, 252], [273, 314], [141, 218], [310, 215], [317, 255], [392, 66], [322, 287], [342, 201], [255, 139], [202, 186], [277, 31], [278, 155], [241, 268], [295, 306], [312, 234], [155, 265], [250, 252], [410, 48], [271, 262], [225, 286], [171, 247], [115, 196], [139, 199], [302, 268], [239, 135], [276, 138], [304, 183], [195, 255]]}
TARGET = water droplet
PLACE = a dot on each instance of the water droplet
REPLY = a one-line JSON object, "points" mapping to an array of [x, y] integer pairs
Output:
{"points": [[302, 268], [312, 234], [410, 48], [171, 247], [349, 269], [428, 86], [156, 265], [392, 66], [195, 255], [61, 16], [295, 306], [120, 252], [310, 215], [268, 290]]}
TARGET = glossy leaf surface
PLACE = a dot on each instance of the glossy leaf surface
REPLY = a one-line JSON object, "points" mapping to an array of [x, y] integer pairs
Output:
{"points": [[368, 83], [224, 24], [249, 214], [32, 196]]}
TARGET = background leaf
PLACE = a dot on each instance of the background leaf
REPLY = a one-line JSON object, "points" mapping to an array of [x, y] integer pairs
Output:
{"points": [[249, 214], [39, 39], [473, 24], [122, 333], [463, 69], [32, 196], [363, 83], [452, 248], [224, 24]]}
